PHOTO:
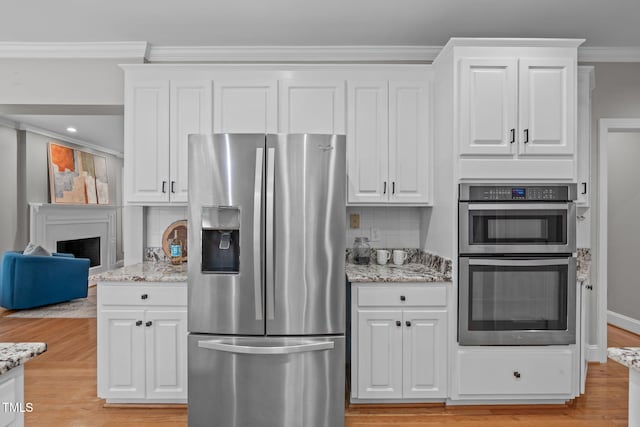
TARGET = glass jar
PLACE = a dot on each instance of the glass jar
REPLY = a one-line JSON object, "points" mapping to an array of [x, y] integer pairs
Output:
{"points": [[361, 250]]}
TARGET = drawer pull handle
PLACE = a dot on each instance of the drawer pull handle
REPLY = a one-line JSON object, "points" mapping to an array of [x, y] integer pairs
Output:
{"points": [[398, 323], [403, 298], [149, 323], [516, 374], [408, 323], [139, 323], [144, 296]]}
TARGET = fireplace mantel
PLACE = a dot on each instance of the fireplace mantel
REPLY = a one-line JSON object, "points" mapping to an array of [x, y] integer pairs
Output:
{"points": [[50, 223]]}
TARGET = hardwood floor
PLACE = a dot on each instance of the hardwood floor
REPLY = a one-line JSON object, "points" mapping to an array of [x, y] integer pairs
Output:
{"points": [[61, 385]]}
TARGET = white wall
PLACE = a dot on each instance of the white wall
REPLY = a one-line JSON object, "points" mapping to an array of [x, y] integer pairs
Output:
{"points": [[399, 226], [8, 178], [62, 81], [623, 286]]}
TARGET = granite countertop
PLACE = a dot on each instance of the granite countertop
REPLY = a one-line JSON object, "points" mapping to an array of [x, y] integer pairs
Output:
{"points": [[14, 354], [628, 356], [413, 272], [144, 272]]}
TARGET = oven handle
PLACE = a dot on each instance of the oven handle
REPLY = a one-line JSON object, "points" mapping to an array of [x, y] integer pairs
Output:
{"points": [[518, 206], [519, 262]]}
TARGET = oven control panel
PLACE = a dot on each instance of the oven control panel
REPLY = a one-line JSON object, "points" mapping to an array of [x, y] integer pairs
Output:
{"points": [[481, 192]]}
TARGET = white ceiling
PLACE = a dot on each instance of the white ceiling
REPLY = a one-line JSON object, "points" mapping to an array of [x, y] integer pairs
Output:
{"points": [[318, 22], [101, 131], [300, 23]]}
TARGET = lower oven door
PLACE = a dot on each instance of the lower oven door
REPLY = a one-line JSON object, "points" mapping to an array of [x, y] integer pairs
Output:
{"points": [[517, 301]]}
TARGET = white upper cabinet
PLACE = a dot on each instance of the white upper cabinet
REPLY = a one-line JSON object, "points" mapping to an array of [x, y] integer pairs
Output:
{"points": [[517, 105], [312, 106], [146, 148], [488, 109], [190, 113], [159, 115], [547, 106], [409, 128], [367, 141], [249, 106], [388, 142]]}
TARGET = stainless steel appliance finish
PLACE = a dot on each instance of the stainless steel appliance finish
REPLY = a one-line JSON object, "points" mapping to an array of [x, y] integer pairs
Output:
{"points": [[517, 270], [505, 218], [266, 280], [517, 300], [267, 382]]}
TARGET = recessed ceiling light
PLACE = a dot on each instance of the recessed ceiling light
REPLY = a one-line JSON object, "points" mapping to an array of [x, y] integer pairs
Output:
{"points": [[72, 129]]}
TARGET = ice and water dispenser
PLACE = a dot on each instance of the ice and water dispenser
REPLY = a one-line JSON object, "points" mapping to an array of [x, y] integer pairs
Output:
{"points": [[220, 239]]}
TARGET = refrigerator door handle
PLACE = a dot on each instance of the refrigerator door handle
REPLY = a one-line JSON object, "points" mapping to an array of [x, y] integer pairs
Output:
{"points": [[257, 255], [300, 347], [270, 289]]}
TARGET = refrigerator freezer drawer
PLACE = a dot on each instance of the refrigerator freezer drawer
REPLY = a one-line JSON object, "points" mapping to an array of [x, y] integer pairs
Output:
{"points": [[266, 382]]}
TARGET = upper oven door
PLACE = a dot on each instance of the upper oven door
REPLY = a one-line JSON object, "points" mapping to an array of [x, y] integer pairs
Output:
{"points": [[524, 227]]}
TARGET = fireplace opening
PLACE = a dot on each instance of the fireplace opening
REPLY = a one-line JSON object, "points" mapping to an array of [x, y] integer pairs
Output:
{"points": [[82, 248]]}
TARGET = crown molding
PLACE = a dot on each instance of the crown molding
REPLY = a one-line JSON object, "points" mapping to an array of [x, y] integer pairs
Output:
{"points": [[609, 54], [8, 123], [293, 53], [79, 50], [64, 138]]}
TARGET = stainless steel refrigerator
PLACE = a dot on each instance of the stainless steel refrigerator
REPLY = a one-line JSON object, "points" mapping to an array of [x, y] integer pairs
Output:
{"points": [[266, 280]]}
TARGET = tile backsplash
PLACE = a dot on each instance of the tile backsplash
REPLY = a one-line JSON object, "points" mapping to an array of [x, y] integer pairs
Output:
{"points": [[158, 218], [399, 227]]}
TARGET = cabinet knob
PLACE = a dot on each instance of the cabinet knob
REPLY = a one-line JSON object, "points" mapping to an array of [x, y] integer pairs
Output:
{"points": [[139, 323], [149, 323], [408, 323], [403, 298], [516, 374], [398, 323], [144, 296]]}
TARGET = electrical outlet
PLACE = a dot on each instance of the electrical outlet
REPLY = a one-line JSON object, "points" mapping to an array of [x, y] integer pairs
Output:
{"points": [[354, 220], [375, 234]]}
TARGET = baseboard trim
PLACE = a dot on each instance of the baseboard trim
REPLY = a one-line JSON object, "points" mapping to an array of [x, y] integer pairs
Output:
{"points": [[594, 354], [625, 322]]}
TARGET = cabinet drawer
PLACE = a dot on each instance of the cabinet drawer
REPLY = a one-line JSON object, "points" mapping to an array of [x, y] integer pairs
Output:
{"points": [[519, 372], [424, 295], [142, 295]]}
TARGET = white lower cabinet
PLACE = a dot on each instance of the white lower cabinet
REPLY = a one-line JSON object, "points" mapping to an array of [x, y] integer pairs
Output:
{"points": [[399, 336], [516, 373], [142, 343]]}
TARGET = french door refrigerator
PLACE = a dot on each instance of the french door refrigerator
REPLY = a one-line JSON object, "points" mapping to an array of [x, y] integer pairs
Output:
{"points": [[266, 280]]}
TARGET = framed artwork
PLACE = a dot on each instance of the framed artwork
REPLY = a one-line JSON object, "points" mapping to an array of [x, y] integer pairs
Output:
{"points": [[76, 176]]}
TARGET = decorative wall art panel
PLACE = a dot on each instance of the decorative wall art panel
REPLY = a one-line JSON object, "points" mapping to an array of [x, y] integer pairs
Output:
{"points": [[77, 177]]}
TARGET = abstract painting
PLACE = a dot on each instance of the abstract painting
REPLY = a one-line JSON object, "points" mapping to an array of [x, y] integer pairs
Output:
{"points": [[77, 177]]}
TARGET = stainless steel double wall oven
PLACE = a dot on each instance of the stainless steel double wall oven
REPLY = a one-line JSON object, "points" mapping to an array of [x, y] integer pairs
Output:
{"points": [[517, 265]]}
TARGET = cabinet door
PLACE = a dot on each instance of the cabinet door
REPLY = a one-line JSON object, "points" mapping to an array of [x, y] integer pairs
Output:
{"points": [[425, 354], [379, 354], [547, 99], [245, 106], [121, 359], [488, 103], [585, 86], [146, 148], [409, 132], [166, 343], [584, 319], [190, 113], [367, 142], [312, 107]]}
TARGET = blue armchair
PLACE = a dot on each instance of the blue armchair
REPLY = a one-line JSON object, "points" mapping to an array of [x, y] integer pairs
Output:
{"points": [[28, 281]]}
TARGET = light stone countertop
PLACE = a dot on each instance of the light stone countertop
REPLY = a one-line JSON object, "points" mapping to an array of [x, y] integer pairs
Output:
{"points": [[413, 272], [628, 356], [14, 354], [144, 272]]}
